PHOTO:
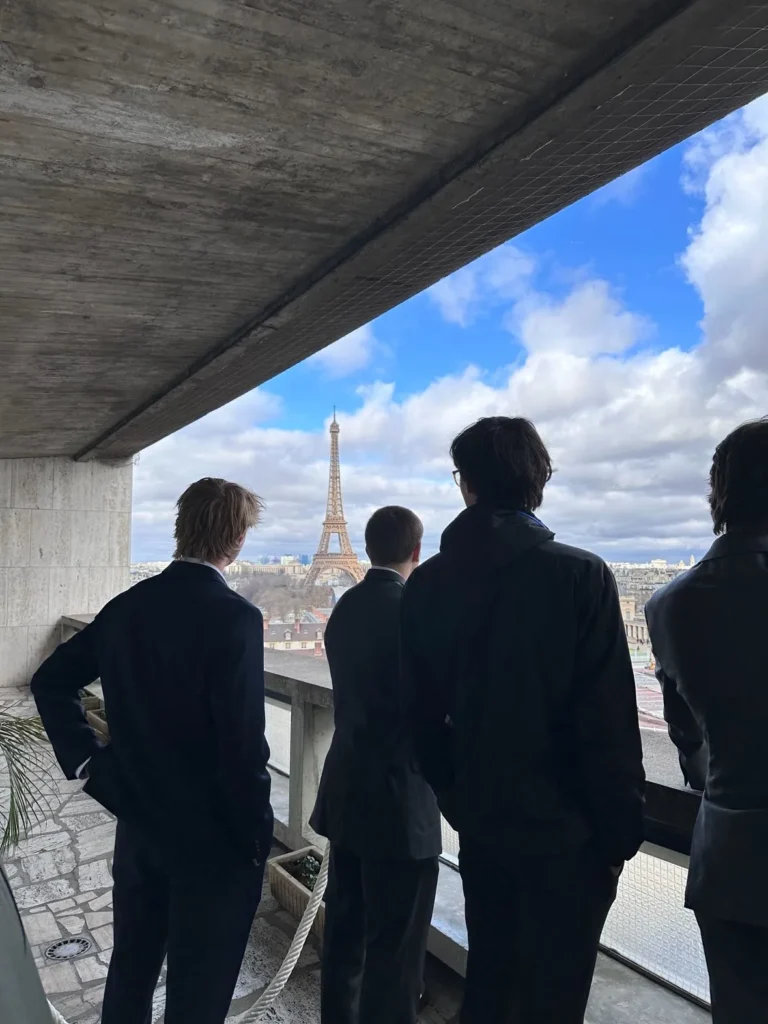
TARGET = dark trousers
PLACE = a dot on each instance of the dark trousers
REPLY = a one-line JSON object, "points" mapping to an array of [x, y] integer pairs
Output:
{"points": [[737, 960], [199, 915], [375, 941], [533, 926]]}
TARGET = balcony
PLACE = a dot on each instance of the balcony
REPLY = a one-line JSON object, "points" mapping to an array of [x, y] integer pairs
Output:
{"points": [[651, 968]]}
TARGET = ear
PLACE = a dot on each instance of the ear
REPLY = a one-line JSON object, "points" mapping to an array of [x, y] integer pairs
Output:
{"points": [[415, 557]]}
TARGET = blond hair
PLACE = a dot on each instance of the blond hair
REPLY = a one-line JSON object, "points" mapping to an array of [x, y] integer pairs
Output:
{"points": [[213, 516]]}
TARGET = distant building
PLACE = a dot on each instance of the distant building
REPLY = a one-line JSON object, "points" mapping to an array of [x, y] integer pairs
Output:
{"points": [[303, 637], [628, 608], [278, 569], [143, 570]]}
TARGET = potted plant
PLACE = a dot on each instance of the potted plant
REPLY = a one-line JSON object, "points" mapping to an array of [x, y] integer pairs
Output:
{"points": [[23, 764], [292, 878]]}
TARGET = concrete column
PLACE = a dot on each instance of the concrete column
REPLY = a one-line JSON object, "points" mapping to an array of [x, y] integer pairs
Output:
{"points": [[65, 535], [311, 735]]}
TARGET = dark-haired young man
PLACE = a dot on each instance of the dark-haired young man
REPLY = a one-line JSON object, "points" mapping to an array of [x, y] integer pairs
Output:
{"points": [[373, 805], [708, 633], [522, 707]]}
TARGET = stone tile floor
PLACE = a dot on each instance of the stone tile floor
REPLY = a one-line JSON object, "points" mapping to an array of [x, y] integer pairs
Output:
{"points": [[62, 882]]}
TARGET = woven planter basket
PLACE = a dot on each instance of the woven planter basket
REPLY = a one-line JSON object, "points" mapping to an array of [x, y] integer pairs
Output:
{"points": [[289, 891]]}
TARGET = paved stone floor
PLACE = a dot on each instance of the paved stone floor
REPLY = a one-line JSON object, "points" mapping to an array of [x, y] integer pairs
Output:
{"points": [[62, 882]]}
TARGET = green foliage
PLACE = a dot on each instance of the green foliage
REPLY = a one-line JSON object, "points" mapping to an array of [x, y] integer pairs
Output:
{"points": [[24, 763], [305, 870]]}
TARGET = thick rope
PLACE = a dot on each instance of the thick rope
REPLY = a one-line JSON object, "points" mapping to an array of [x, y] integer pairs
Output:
{"points": [[55, 1015], [276, 986], [278, 983]]}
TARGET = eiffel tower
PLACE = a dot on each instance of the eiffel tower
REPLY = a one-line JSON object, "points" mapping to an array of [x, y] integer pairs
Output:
{"points": [[345, 560]]}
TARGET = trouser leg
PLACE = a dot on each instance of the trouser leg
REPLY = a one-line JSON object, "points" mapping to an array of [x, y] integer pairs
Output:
{"points": [[210, 918], [533, 943], [343, 939], [737, 960], [140, 902], [399, 899]]}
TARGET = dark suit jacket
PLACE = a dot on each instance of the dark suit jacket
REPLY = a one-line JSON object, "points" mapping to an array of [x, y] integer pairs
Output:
{"points": [[521, 691], [708, 629], [180, 658], [372, 800]]}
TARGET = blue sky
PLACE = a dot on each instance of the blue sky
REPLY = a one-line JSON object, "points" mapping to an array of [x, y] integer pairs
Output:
{"points": [[628, 327], [630, 233]]}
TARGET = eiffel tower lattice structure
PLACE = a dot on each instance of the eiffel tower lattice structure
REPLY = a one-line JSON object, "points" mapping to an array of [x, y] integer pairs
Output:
{"points": [[334, 524]]}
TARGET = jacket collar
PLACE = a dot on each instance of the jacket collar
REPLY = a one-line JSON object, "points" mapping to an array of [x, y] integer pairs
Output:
{"points": [[195, 569], [380, 572], [737, 544]]}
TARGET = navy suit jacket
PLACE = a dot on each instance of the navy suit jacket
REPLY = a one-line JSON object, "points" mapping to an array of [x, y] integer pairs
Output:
{"points": [[181, 661], [708, 628], [372, 800]]}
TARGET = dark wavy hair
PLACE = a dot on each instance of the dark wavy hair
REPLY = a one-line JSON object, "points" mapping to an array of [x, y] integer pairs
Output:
{"points": [[738, 480], [503, 461]]}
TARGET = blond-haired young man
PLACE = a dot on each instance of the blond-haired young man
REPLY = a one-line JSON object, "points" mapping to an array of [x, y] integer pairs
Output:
{"points": [[180, 658]]}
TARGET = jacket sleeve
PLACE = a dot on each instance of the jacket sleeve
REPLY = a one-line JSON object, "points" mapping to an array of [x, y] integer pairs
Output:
{"points": [[237, 710], [424, 698], [684, 732], [607, 730], [683, 728], [56, 688]]}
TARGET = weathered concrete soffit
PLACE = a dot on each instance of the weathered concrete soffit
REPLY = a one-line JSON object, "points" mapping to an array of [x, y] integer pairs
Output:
{"points": [[154, 277]]}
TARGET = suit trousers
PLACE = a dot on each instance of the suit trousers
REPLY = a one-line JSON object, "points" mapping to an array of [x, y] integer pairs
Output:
{"points": [[377, 921], [200, 915], [533, 926], [737, 960]]}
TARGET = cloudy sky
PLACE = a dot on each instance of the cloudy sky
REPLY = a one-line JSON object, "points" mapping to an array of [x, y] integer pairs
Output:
{"points": [[630, 327]]}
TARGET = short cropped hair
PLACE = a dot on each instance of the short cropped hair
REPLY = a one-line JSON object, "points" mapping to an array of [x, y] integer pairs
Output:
{"points": [[213, 515], [503, 461], [392, 535], [738, 492]]}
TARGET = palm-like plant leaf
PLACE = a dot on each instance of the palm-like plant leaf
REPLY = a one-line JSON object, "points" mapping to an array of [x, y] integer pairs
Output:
{"points": [[25, 764]]}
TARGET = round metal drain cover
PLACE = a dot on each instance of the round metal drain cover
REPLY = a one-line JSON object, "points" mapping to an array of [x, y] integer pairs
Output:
{"points": [[67, 949]]}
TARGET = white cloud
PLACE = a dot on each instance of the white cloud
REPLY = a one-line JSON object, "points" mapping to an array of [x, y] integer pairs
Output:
{"points": [[349, 354], [456, 296], [503, 274], [588, 321], [631, 428]]}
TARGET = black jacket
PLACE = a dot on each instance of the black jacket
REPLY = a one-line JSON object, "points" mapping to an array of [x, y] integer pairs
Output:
{"points": [[521, 690], [181, 661], [708, 628], [372, 799]]}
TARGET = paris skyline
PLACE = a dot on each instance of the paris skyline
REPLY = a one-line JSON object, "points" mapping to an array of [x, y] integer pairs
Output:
{"points": [[629, 327]]}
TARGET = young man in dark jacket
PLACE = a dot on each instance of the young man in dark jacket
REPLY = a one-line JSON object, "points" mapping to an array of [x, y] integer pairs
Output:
{"points": [[708, 633], [373, 804], [181, 660], [522, 706]]}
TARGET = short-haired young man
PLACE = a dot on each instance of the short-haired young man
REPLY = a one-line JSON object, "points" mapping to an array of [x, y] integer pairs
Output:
{"points": [[522, 706], [373, 805], [708, 630], [180, 658]]}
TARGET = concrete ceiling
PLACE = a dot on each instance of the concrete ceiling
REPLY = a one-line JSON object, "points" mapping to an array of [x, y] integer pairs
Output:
{"points": [[196, 195]]}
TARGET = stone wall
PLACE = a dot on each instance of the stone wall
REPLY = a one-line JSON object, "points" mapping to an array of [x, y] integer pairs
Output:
{"points": [[65, 530]]}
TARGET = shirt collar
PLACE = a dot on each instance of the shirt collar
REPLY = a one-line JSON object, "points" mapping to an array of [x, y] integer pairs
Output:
{"points": [[393, 573], [199, 561]]}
